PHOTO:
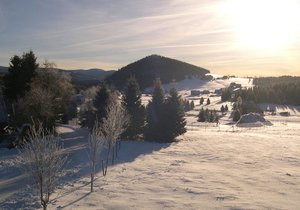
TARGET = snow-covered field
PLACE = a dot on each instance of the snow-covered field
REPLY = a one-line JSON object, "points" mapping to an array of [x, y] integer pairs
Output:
{"points": [[210, 167]]}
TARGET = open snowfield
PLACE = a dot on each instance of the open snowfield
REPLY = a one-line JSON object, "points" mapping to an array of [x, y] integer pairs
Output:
{"points": [[210, 167]]}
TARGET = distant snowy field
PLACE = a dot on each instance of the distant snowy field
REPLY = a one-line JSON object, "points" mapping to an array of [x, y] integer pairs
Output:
{"points": [[210, 167]]}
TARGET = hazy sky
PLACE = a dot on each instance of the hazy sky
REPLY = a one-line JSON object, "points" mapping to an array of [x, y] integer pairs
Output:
{"points": [[243, 37]]}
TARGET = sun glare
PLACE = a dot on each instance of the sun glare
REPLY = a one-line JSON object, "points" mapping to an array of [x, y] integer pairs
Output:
{"points": [[264, 24]]}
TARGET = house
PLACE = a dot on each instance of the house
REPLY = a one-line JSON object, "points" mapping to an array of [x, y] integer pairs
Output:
{"points": [[218, 91], [234, 85], [195, 92], [205, 92]]}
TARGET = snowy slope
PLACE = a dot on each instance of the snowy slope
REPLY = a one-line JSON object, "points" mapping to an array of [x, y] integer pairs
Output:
{"points": [[256, 169], [210, 167], [211, 85]]}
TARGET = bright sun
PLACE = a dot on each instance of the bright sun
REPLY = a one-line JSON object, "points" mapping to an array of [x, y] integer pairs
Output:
{"points": [[264, 24]]}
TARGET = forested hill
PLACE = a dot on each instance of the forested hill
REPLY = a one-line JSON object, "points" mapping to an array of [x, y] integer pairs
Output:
{"points": [[86, 78], [150, 67]]}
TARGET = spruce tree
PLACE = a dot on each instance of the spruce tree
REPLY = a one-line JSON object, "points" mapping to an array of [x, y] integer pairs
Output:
{"points": [[20, 73], [222, 109], [236, 115], [192, 105], [133, 104], [201, 100], [226, 108], [154, 127], [174, 116], [100, 102], [201, 116], [208, 101], [211, 116]]}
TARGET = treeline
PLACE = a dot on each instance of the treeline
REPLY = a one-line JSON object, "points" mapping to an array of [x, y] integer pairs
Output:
{"points": [[278, 94], [36, 92], [269, 81], [161, 120], [281, 90]]}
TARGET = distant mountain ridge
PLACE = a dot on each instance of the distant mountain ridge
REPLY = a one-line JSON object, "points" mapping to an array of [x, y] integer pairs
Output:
{"points": [[144, 70], [80, 77], [87, 78], [147, 69]]}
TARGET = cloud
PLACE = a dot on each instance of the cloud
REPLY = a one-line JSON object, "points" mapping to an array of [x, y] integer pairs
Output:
{"points": [[114, 33]]}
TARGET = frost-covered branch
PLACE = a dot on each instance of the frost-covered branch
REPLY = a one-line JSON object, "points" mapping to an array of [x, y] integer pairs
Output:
{"points": [[44, 161]]}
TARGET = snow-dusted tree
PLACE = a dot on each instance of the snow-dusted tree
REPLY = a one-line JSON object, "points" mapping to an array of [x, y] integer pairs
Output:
{"points": [[44, 161], [96, 143], [112, 126]]}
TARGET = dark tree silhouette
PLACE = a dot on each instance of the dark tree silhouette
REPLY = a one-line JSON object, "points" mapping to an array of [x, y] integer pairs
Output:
{"points": [[20, 73], [133, 105], [155, 113], [201, 116], [101, 101], [174, 116], [208, 101]]}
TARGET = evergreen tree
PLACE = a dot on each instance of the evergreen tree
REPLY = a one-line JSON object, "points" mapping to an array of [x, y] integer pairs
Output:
{"points": [[211, 117], [201, 116], [206, 114], [222, 109], [20, 73], [101, 101], [187, 106], [155, 126], [133, 104], [217, 119], [208, 101], [226, 108], [174, 117], [192, 105], [47, 100], [236, 115], [201, 100]]}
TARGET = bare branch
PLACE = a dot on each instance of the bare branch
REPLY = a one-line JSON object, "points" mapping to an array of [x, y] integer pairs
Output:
{"points": [[44, 161]]}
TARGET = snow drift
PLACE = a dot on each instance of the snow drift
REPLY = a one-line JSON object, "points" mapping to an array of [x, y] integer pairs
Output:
{"points": [[253, 120]]}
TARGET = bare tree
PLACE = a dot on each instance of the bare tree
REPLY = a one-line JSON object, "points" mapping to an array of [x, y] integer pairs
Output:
{"points": [[44, 161], [112, 127], [96, 143]]}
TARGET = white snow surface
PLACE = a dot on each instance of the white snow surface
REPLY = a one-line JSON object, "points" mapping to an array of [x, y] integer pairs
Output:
{"points": [[195, 83], [209, 167], [252, 120]]}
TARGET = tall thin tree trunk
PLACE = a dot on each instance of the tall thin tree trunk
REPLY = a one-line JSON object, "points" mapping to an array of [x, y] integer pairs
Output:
{"points": [[92, 182], [116, 148], [113, 155], [105, 164]]}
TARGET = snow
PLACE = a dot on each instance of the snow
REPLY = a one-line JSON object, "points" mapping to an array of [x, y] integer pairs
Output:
{"points": [[253, 120], [209, 167], [195, 83]]}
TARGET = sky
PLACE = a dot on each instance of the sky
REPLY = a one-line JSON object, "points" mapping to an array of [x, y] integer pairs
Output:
{"points": [[240, 37]]}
